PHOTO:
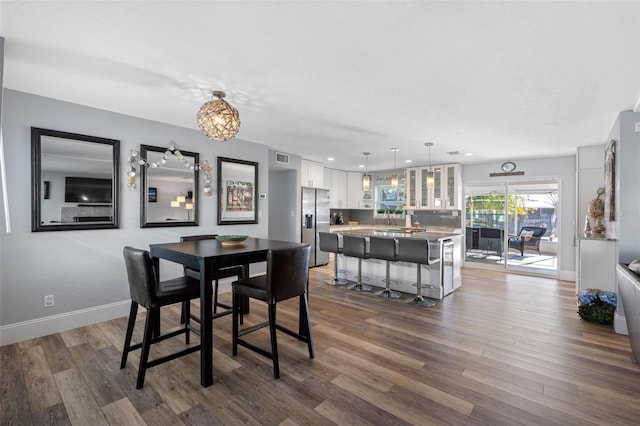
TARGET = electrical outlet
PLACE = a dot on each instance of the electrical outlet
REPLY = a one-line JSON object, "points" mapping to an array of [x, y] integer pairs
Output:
{"points": [[48, 301]]}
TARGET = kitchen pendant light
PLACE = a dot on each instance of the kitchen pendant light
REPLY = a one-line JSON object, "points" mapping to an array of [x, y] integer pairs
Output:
{"points": [[366, 179], [217, 119], [430, 176], [394, 176]]}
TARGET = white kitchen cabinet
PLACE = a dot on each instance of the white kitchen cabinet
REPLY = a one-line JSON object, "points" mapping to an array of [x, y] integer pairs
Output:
{"points": [[355, 194], [446, 193], [312, 174], [336, 182]]}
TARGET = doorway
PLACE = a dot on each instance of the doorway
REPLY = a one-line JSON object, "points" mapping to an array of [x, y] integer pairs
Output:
{"points": [[513, 226]]}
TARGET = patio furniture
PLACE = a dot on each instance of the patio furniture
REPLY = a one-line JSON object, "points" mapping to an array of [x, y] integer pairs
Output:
{"points": [[528, 239]]}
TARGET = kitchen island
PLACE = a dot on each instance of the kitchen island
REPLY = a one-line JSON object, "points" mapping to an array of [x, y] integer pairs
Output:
{"points": [[438, 281]]}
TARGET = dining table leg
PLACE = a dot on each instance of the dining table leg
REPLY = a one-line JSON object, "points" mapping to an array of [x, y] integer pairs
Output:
{"points": [[206, 327], [156, 312]]}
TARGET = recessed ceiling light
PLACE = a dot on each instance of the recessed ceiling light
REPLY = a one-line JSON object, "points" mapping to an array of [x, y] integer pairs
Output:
{"points": [[330, 159], [408, 161], [361, 166], [468, 153]]}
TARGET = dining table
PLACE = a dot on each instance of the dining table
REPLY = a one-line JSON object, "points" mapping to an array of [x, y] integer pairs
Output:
{"points": [[207, 256]]}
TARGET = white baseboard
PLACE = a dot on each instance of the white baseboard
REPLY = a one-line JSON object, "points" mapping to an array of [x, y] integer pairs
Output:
{"points": [[31, 329]]}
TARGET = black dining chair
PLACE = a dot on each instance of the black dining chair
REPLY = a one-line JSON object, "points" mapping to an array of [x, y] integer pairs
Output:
{"points": [[147, 291], [218, 274], [287, 277]]}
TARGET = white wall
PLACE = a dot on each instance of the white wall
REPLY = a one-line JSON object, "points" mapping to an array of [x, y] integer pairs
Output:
{"points": [[84, 270], [627, 225], [561, 168], [282, 195]]}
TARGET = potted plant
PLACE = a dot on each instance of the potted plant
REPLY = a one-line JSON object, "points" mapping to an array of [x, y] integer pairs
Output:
{"points": [[597, 306]]}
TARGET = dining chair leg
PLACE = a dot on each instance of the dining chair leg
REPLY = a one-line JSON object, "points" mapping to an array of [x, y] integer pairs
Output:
{"points": [[305, 301], [234, 323], [127, 339], [274, 342], [149, 327], [182, 312]]}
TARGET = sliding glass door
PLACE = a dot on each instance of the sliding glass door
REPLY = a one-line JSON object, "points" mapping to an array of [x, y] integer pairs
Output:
{"points": [[485, 219], [512, 225]]}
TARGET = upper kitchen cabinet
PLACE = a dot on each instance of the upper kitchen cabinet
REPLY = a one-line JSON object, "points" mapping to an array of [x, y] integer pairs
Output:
{"points": [[336, 182], [312, 174], [446, 193], [418, 195]]}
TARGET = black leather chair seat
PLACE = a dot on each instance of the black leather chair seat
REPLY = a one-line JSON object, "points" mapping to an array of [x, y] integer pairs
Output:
{"points": [[255, 287], [175, 290]]}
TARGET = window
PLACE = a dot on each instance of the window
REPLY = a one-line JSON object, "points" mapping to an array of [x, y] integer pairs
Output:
{"points": [[389, 200]]}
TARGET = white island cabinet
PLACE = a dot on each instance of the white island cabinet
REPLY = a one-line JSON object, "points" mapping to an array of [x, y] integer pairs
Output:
{"points": [[438, 280]]}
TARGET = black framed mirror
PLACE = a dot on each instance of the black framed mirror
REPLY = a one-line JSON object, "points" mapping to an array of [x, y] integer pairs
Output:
{"points": [[168, 194], [74, 181]]}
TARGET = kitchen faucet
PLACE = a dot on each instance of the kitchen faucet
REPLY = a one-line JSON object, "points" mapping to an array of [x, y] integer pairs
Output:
{"points": [[388, 218]]}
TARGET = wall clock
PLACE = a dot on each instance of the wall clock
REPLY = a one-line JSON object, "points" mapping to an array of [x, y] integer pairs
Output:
{"points": [[508, 166]]}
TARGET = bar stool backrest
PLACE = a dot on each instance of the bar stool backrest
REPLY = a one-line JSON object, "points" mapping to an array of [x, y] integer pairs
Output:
{"points": [[354, 246], [414, 250], [383, 248], [329, 242]]}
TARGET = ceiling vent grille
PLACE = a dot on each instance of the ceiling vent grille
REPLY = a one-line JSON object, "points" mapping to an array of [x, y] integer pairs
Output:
{"points": [[282, 158]]}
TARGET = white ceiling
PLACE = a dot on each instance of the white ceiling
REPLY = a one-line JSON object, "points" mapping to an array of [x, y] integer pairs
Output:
{"points": [[504, 80]]}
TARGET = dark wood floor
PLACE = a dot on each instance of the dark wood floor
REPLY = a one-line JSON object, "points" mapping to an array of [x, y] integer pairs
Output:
{"points": [[503, 349]]}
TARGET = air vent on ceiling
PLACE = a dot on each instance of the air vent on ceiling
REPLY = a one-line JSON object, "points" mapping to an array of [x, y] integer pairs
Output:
{"points": [[282, 158]]}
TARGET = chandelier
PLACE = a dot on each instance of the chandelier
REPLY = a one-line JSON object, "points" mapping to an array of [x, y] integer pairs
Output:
{"points": [[217, 119]]}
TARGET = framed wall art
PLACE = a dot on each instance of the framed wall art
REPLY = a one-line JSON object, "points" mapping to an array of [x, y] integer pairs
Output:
{"points": [[237, 188], [610, 181]]}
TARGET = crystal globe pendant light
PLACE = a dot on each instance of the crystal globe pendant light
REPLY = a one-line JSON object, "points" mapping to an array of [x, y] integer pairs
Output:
{"points": [[217, 119]]}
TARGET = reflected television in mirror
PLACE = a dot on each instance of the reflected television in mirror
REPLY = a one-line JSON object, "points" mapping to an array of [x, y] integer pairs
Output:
{"points": [[73, 178]]}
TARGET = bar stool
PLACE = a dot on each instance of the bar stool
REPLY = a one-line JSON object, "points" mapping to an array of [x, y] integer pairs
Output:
{"points": [[417, 251], [384, 248], [356, 246], [331, 243], [146, 290]]}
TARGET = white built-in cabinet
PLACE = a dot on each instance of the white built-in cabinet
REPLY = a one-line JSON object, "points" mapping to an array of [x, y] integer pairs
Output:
{"points": [[336, 182], [446, 193], [312, 174], [354, 191]]}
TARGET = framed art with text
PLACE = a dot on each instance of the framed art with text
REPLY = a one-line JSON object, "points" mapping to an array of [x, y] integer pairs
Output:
{"points": [[237, 188]]}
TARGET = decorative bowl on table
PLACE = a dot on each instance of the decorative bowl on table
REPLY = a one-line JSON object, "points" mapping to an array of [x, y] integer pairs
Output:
{"points": [[231, 240]]}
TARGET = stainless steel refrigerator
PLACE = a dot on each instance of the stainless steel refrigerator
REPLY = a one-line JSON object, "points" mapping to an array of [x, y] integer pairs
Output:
{"points": [[315, 218]]}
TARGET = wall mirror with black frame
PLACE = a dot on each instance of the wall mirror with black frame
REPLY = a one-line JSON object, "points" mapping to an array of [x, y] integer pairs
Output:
{"points": [[74, 181], [168, 194]]}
